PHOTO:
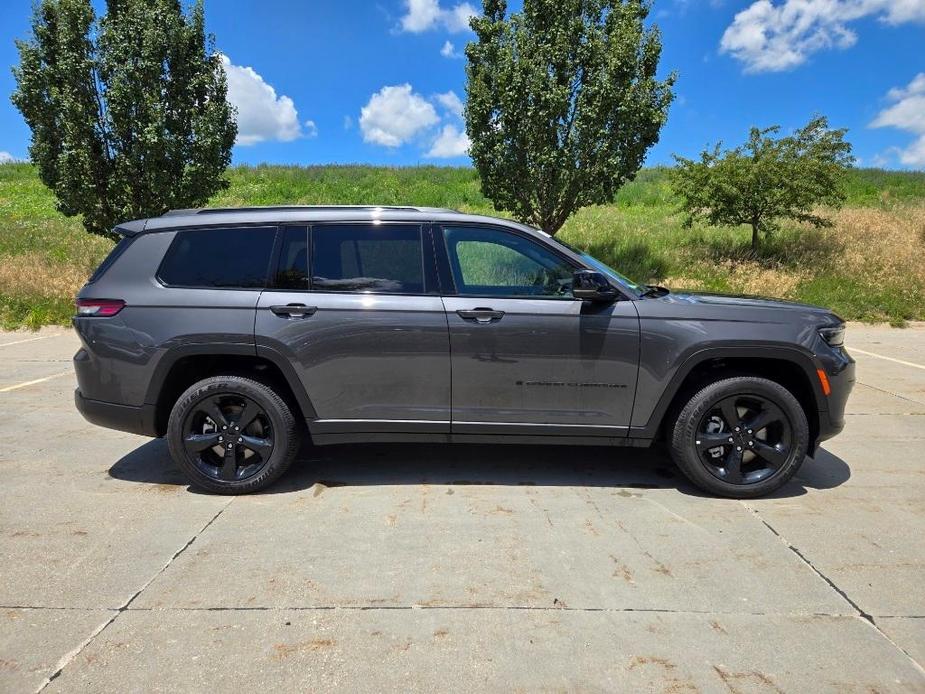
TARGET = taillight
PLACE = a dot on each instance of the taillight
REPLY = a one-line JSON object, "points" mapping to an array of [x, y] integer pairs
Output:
{"points": [[99, 307]]}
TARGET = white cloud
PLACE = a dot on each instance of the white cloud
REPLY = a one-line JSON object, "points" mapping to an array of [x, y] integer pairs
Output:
{"points": [[394, 115], [907, 113], [311, 130], [451, 103], [7, 158], [449, 51], [451, 142], [262, 115], [422, 15], [770, 37]]}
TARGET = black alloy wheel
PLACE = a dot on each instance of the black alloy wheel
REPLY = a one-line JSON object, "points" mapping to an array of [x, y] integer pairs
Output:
{"points": [[740, 437], [232, 434], [228, 437], [744, 439]]}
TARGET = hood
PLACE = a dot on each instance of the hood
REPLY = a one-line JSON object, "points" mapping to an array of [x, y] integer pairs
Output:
{"points": [[739, 300], [756, 308]]}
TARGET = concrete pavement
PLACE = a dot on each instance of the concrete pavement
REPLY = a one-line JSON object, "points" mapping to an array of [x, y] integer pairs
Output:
{"points": [[467, 567]]}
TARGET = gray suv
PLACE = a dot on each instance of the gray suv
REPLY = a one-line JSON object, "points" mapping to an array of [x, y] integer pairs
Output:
{"points": [[237, 332]]}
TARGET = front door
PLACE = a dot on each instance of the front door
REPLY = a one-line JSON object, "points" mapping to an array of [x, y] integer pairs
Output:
{"points": [[527, 357], [357, 312]]}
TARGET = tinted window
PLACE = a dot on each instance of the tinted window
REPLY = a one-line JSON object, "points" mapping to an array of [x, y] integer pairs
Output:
{"points": [[292, 272], [219, 258], [367, 258], [498, 263]]}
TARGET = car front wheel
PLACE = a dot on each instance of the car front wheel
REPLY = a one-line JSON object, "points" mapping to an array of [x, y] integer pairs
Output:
{"points": [[740, 437], [232, 435]]}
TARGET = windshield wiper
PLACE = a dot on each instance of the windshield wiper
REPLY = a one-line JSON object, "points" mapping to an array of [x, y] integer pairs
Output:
{"points": [[656, 291]]}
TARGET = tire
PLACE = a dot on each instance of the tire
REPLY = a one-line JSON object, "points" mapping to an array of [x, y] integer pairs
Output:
{"points": [[214, 455], [760, 456]]}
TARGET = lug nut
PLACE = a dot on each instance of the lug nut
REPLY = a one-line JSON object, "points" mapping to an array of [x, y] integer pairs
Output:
{"points": [[230, 446], [751, 443], [750, 431], [240, 440], [223, 428], [237, 428], [221, 438], [697, 442], [738, 448], [737, 428], [730, 439]]}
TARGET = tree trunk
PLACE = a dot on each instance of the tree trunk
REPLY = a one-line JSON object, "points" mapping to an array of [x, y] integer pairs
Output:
{"points": [[754, 237]]}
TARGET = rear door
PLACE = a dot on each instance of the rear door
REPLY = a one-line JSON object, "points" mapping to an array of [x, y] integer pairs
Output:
{"points": [[527, 357], [356, 309]]}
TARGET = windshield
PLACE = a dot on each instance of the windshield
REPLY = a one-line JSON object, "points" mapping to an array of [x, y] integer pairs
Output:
{"points": [[603, 267]]}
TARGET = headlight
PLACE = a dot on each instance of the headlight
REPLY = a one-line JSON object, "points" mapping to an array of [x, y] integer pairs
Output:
{"points": [[834, 337]]}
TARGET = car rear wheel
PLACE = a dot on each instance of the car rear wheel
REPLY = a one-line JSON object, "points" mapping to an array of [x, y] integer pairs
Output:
{"points": [[740, 437], [232, 435]]}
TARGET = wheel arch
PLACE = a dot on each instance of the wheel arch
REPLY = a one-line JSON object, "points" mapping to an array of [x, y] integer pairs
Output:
{"points": [[186, 365], [794, 369]]}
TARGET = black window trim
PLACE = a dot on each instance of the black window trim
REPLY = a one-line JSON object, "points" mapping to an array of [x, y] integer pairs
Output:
{"points": [[211, 227], [281, 230]]}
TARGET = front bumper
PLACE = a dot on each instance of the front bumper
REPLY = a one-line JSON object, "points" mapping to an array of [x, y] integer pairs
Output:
{"points": [[135, 420], [841, 380]]}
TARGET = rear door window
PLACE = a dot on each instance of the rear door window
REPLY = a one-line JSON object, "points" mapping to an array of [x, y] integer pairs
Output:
{"points": [[371, 258], [227, 258]]}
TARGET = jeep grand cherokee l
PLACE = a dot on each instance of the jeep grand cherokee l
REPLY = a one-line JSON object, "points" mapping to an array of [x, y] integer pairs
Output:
{"points": [[234, 332]]}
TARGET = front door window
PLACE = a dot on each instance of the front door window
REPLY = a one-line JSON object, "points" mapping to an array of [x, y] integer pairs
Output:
{"points": [[490, 262]]}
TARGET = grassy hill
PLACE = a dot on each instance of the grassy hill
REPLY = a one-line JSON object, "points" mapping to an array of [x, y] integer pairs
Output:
{"points": [[870, 266]]}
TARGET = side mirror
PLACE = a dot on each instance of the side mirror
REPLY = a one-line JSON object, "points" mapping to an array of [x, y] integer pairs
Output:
{"points": [[592, 286]]}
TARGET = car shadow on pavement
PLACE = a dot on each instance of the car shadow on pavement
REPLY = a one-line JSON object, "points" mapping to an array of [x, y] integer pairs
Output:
{"points": [[471, 464]]}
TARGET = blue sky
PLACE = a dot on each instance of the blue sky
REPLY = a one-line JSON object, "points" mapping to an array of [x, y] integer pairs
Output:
{"points": [[376, 81]]}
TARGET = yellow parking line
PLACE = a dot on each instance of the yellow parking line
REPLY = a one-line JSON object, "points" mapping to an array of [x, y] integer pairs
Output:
{"points": [[38, 380], [880, 356]]}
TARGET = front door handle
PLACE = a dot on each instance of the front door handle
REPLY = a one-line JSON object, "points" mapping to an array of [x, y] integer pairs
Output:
{"points": [[481, 315], [294, 310]]}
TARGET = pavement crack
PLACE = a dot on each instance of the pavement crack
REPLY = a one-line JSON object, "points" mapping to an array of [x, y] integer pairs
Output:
{"points": [[69, 656], [864, 616]]}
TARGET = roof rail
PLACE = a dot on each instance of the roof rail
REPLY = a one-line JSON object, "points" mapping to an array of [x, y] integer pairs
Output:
{"points": [[287, 208]]}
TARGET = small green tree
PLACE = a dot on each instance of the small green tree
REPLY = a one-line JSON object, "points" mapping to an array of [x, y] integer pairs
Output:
{"points": [[563, 103], [767, 179], [128, 114]]}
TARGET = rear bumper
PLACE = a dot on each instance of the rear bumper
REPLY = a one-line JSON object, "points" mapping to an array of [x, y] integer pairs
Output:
{"points": [[135, 420]]}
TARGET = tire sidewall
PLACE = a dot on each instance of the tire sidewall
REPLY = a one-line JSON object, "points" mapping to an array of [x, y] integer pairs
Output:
{"points": [[685, 454], [281, 421]]}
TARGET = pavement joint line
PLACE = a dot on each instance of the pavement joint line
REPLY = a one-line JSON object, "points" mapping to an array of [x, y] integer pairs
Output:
{"points": [[17, 386], [30, 339], [861, 614], [69, 656], [881, 356], [499, 608], [889, 392]]}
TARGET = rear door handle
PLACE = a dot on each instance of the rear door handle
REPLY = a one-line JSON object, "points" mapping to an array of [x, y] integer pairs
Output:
{"points": [[294, 310], [481, 315]]}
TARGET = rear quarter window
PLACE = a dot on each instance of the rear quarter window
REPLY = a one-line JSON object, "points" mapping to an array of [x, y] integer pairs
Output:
{"points": [[227, 258]]}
